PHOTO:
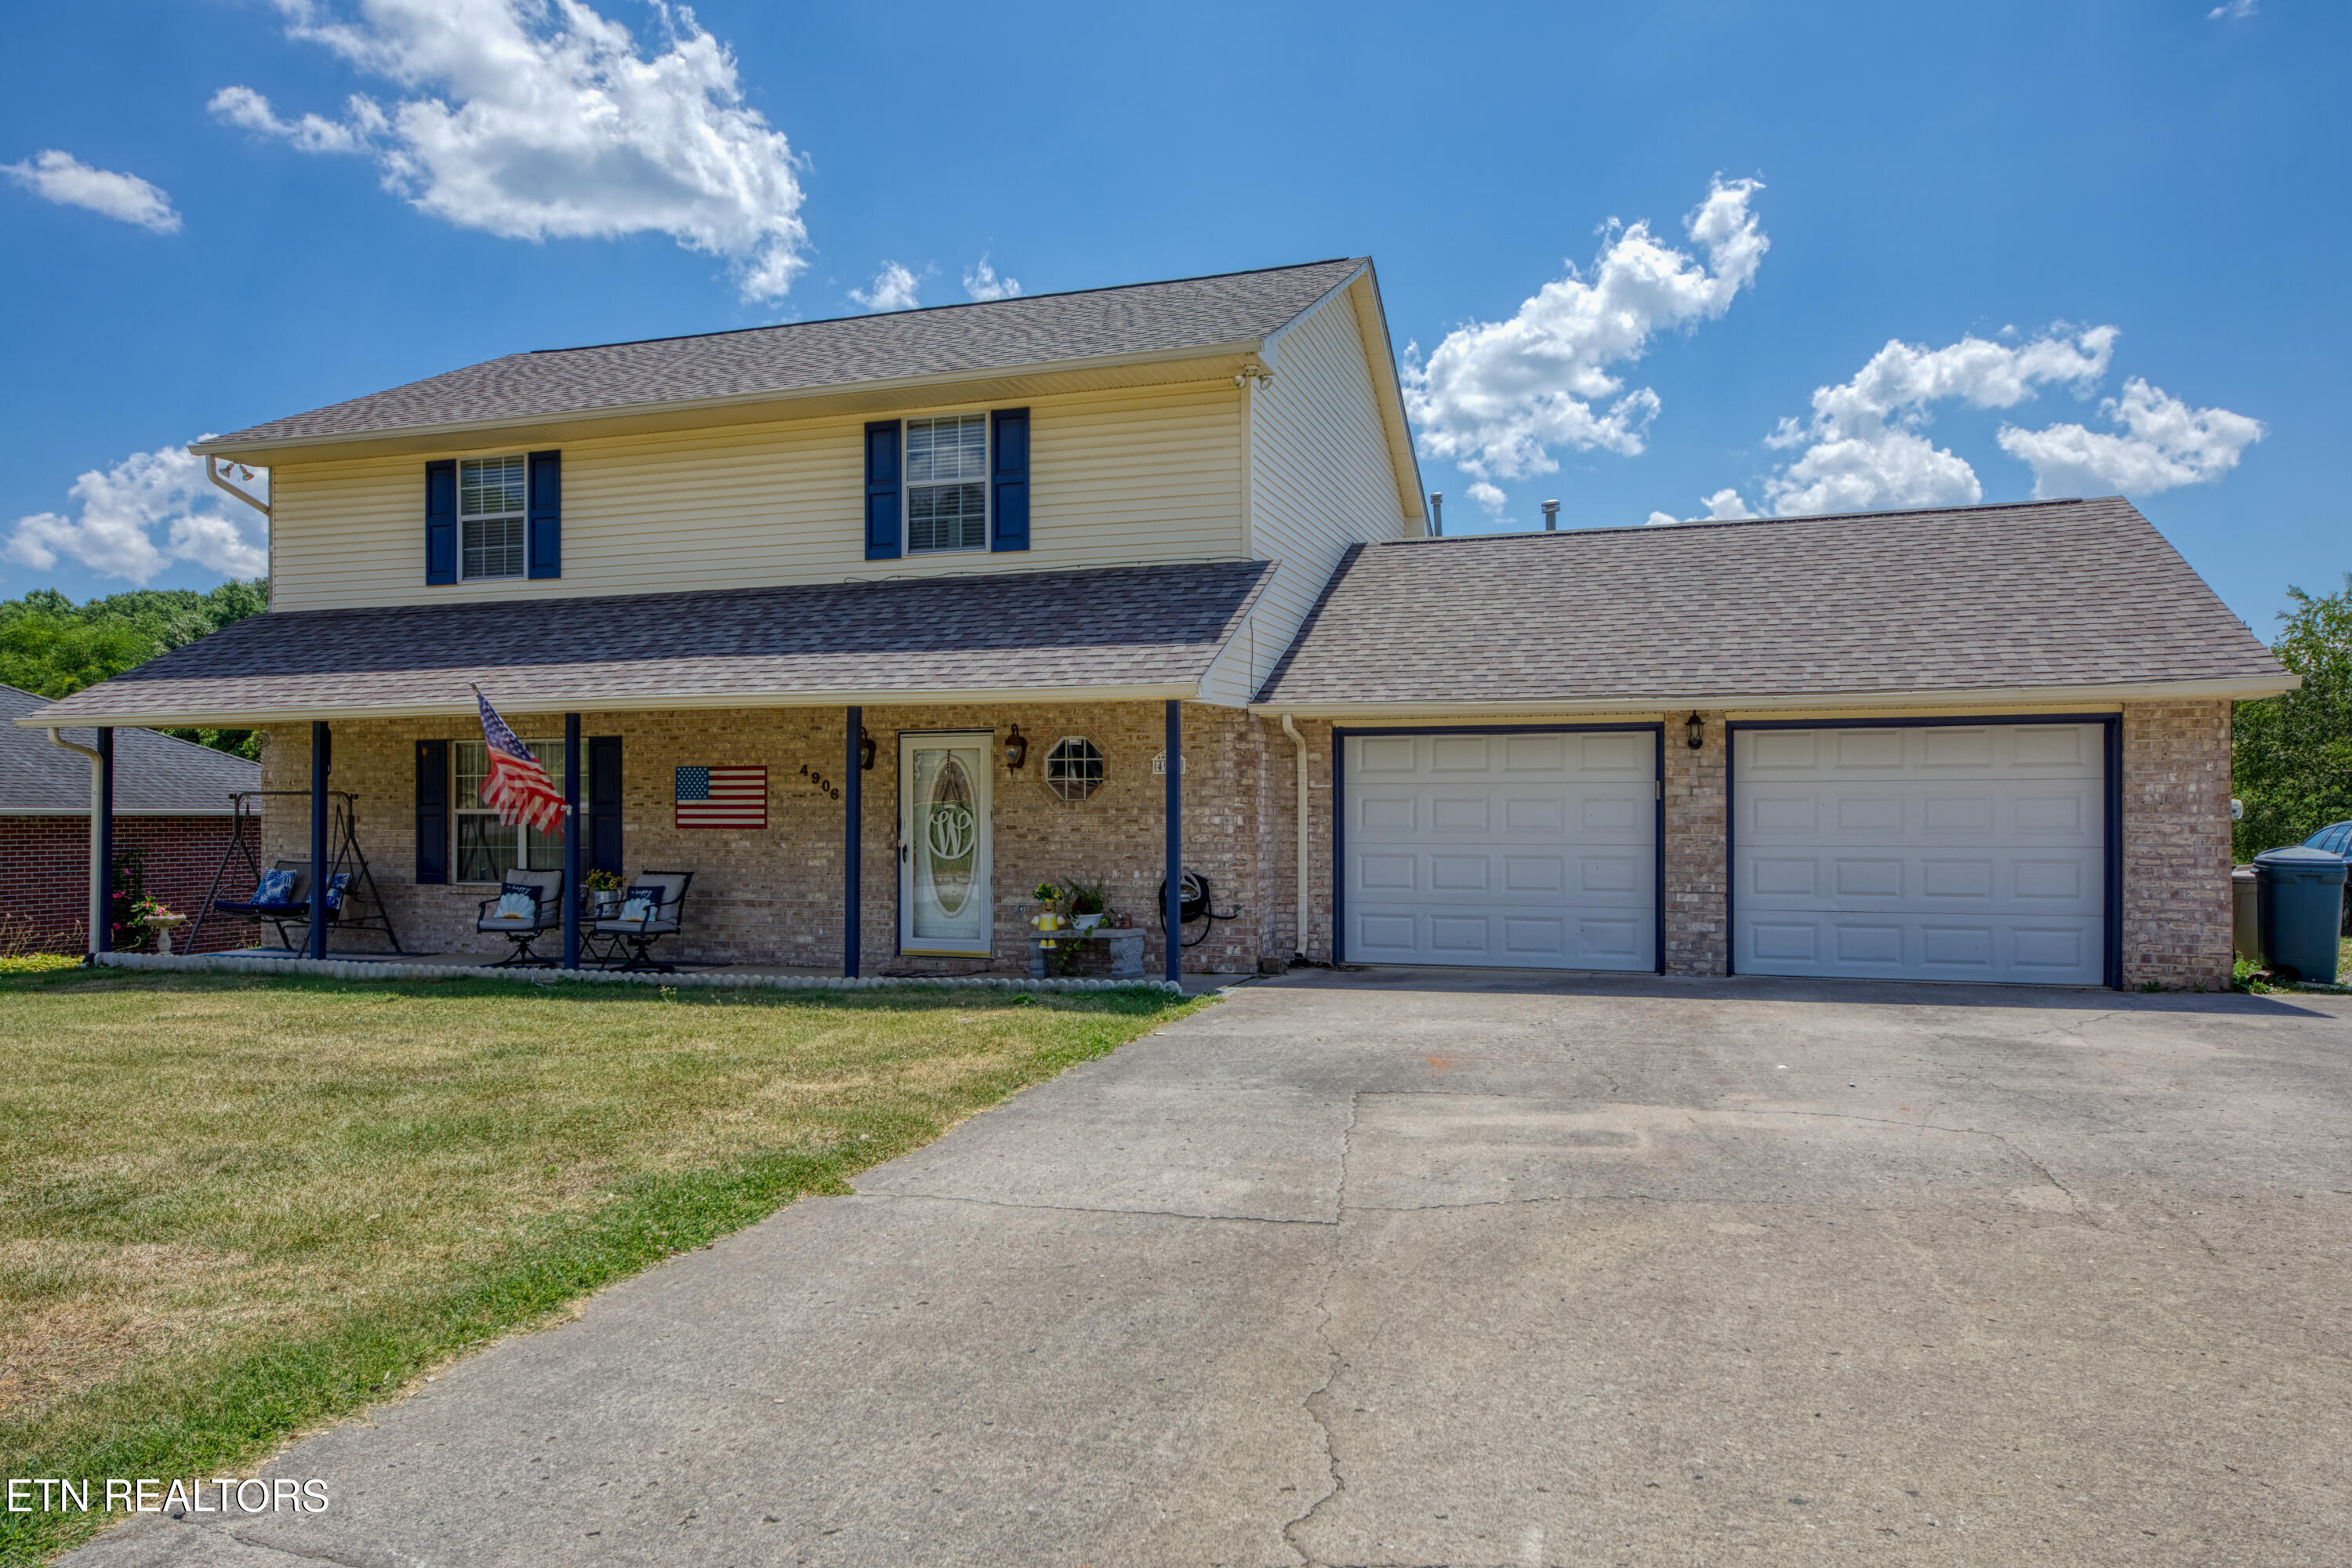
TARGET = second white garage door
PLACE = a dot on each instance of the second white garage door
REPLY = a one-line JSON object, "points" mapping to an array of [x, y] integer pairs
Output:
{"points": [[1532, 850], [1952, 852]]}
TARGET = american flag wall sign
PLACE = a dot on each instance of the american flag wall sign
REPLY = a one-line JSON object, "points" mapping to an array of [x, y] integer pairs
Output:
{"points": [[721, 797]]}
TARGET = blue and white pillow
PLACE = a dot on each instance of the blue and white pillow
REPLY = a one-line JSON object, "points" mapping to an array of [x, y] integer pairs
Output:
{"points": [[276, 887], [517, 901], [335, 885], [642, 904]]}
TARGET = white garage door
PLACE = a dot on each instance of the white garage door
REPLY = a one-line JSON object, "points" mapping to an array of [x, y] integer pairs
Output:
{"points": [[1526, 850], [1956, 852]]}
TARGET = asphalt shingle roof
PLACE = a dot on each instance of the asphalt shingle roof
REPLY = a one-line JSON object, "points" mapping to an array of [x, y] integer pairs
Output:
{"points": [[2057, 594], [924, 637], [153, 775], [999, 334]]}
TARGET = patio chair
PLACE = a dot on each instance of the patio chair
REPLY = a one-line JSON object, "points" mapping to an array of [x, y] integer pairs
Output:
{"points": [[499, 917], [657, 899]]}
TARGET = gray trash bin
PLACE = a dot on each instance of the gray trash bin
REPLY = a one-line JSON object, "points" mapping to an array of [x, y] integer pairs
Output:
{"points": [[2302, 913]]}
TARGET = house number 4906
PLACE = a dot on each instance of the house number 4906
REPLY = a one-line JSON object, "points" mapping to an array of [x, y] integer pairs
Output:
{"points": [[821, 785]]}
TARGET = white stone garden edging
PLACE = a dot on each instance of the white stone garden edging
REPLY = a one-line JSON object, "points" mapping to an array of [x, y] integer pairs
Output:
{"points": [[703, 980]]}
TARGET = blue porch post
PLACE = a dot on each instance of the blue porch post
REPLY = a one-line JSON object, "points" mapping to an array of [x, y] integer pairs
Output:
{"points": [[320, 740], [852, 843], [1172, 914], [572, 827], [101, 937]]}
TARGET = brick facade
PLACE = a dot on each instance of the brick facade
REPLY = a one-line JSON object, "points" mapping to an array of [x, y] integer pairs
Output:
{"points": [[1698, 929], [45, 875], [2176, 808], [773, 896]]}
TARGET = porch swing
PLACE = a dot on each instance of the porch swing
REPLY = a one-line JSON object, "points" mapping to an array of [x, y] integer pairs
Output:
{"points": [[352, 902]]}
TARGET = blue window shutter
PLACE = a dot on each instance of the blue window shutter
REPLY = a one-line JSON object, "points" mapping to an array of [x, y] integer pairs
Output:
{"points": [[432, 810], [441, 521], [545, 553], [882, 505], [603, 845], [1009, 527]]}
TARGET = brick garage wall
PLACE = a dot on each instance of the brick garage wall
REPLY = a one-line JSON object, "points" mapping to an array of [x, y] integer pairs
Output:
{"points": [[775, 897], [1697, 932], [1281, 856], [2175, 831], [45, 875]]}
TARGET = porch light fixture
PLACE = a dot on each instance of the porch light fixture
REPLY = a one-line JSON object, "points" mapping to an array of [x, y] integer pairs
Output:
{"points": [[1696, 728], [1016, 749], [865, 750]]}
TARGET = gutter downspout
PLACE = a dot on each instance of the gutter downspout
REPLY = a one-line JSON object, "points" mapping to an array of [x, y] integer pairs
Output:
{"points": [[1299, 914], [212, 472], [97, 851]]}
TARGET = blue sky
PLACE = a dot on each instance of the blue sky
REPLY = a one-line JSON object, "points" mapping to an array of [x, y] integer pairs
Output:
{"points": [[2111, 234]]}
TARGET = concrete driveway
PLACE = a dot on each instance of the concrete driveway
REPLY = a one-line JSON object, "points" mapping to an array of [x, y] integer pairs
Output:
{"points": [[1417, 1268]]}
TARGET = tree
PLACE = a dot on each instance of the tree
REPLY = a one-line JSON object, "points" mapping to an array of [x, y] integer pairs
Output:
{"points": [[51, 646], [2293, 752]]}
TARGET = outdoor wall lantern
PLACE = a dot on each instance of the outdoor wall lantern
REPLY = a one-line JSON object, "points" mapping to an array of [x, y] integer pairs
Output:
{"points": [[865, 750], [1696, 728], [1016, 749]]}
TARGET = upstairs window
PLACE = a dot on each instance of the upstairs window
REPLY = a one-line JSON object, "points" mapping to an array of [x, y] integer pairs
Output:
{"points": [[492, 516], [947, 483]]}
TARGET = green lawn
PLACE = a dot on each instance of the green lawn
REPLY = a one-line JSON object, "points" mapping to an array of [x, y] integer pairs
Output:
{"points": [[233, 1207]]}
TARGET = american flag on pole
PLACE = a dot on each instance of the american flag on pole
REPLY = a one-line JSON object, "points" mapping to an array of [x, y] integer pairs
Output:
{"points": [[516, 786], [721, 797]]}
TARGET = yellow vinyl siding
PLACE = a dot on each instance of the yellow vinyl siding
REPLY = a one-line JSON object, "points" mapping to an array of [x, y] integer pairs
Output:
{"points": [[1321, 479], [1143, 475]]}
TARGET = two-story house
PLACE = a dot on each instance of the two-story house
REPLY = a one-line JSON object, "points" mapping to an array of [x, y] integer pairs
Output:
{"points": [[875, 624]]}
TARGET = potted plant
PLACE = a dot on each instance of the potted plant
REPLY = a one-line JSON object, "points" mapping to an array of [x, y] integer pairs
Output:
{"points": [[1089, 905], [604, 895]]}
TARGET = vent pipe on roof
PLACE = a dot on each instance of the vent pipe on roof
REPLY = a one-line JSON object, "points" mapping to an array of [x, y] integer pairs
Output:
{"points": [[1551, 516], [1436, 514]]}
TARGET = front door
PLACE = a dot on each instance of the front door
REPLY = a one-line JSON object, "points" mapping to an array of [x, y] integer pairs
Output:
{"points": [[945, 901]]}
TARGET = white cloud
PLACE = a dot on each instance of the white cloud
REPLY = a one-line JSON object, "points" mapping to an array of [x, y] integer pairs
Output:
{"points": [[1495, 397], [893, 289], [62, 178], [1659, 520], [1863, 447], [2235, 11], [1725, 506], [115, 531], [540, 118], [982, 283], [244, 107], [2166, 443]]}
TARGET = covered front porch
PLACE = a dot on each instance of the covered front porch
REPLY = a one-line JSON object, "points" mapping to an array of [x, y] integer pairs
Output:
{"points": [[1005, 732]]}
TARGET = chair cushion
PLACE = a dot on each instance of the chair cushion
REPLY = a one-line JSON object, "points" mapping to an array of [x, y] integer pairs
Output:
{"points": [[276, 887]]}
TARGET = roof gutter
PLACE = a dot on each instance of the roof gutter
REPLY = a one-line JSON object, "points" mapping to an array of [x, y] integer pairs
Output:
{"points": [[98, 877], [2236, 688], [636, 702]]}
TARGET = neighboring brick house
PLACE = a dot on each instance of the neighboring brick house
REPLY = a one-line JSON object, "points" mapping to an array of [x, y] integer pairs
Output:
{"points": [[171, 808], [955, 579]]}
